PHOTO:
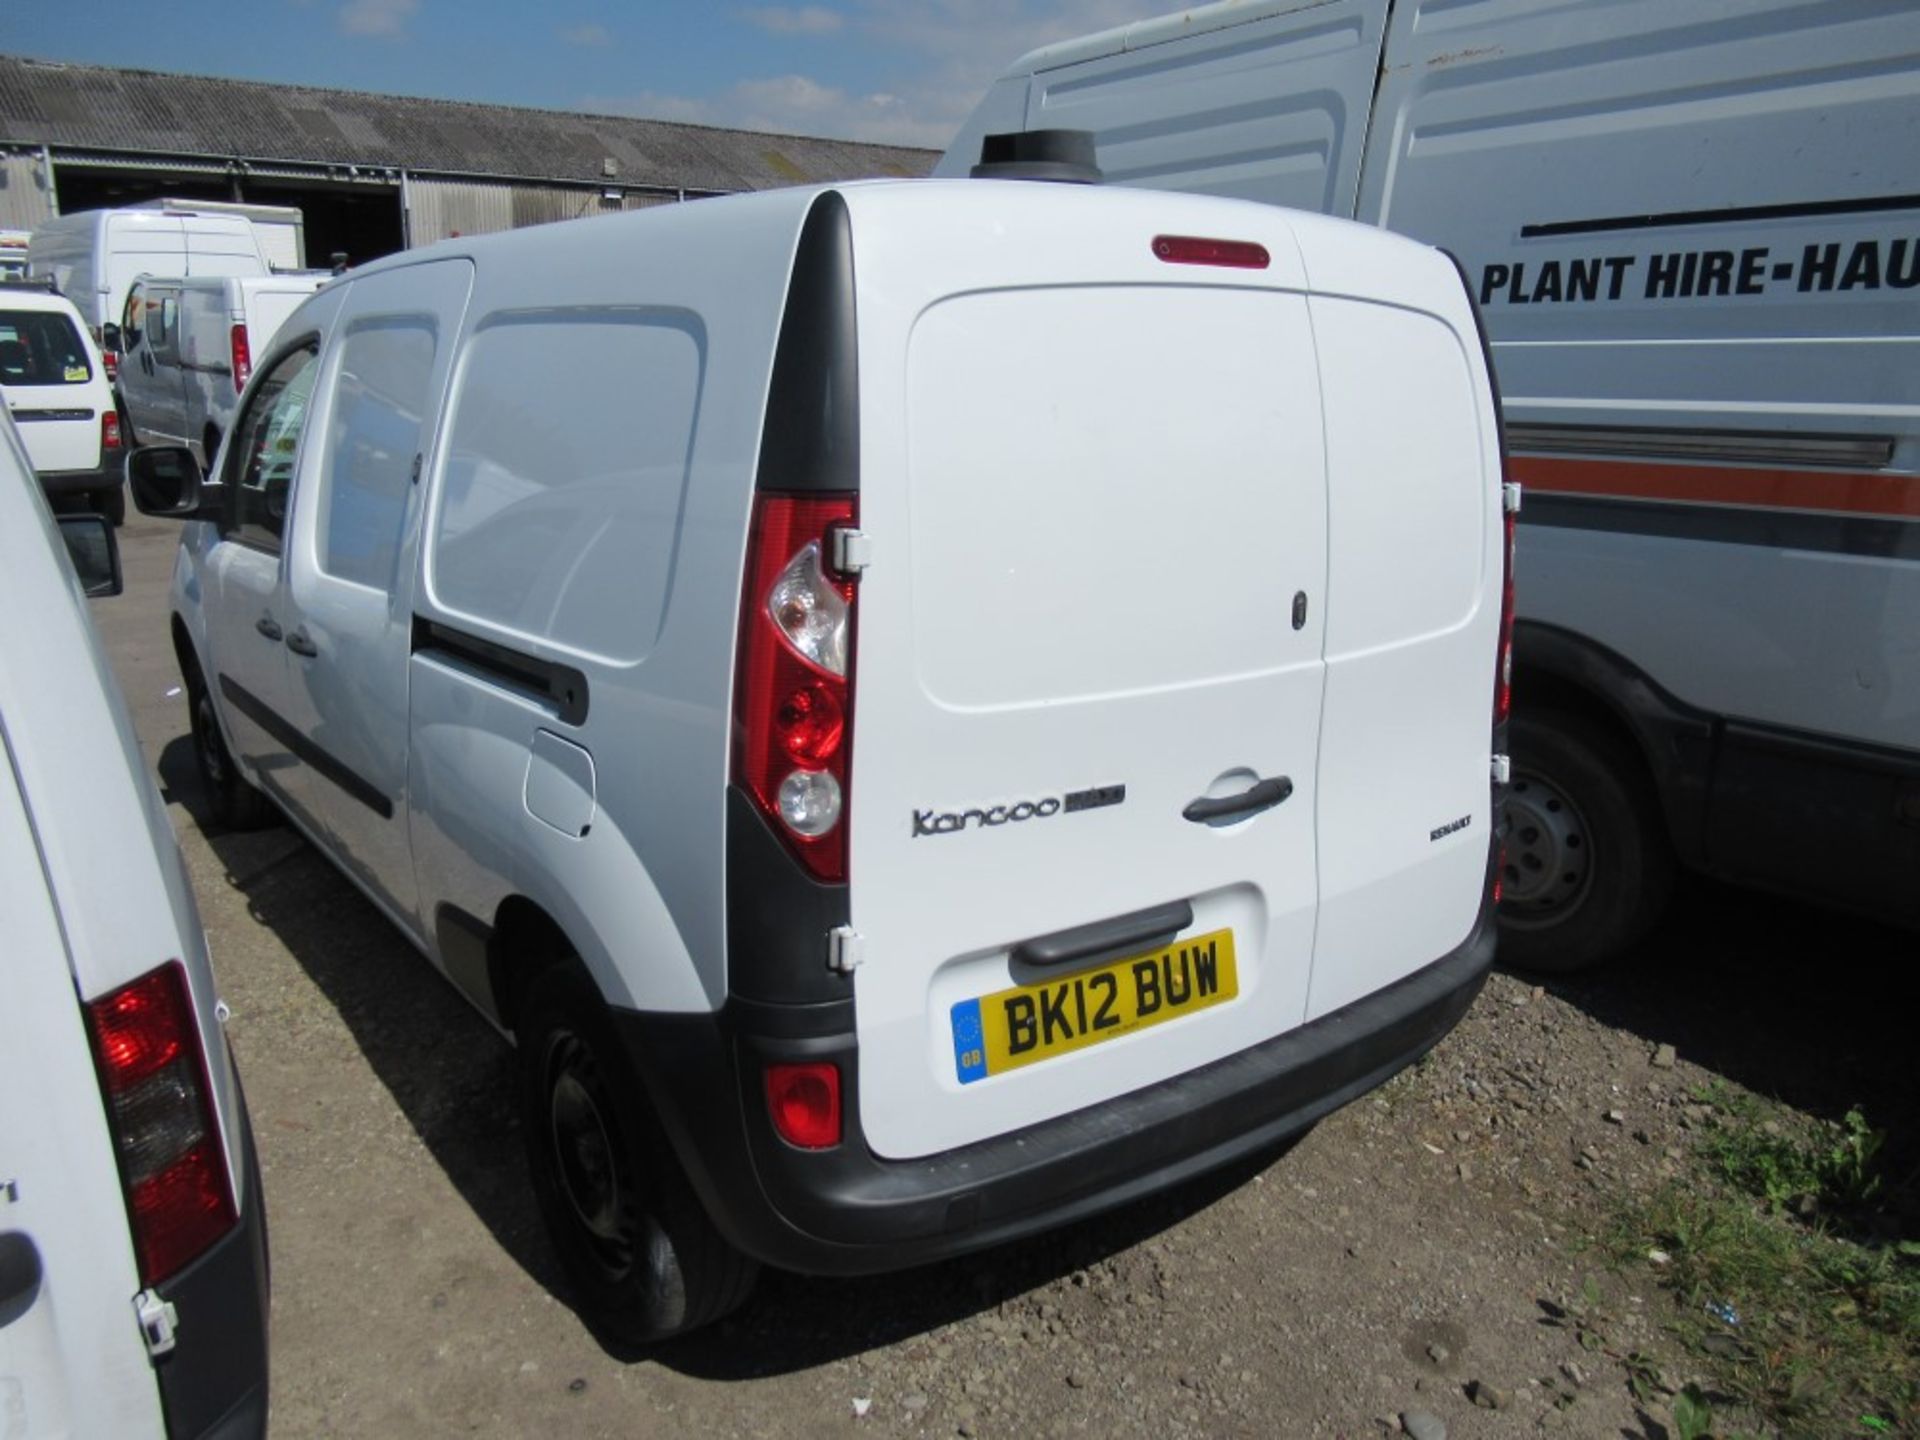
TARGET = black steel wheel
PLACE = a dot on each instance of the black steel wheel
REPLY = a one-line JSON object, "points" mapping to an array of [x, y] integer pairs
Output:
{"points": [[233, 799], [645, 1261], [1588, 865]]}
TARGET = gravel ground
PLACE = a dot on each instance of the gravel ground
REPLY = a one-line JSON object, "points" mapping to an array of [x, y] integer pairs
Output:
{"points": [[1416, 1255]]}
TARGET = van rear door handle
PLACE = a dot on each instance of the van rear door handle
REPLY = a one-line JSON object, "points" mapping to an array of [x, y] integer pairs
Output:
{"points": [[301, 644], [266, 626], [1262, 796], [1121, 935]]}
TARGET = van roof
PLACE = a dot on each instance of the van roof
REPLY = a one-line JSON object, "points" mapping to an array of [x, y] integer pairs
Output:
{"points": [[1140, 34]]}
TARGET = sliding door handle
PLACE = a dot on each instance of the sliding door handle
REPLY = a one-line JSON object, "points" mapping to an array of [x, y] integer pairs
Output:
{"points": [[267, 627], [302, 644]]}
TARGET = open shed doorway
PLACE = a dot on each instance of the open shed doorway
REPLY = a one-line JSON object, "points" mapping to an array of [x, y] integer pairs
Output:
{"points": [[360, 220]]}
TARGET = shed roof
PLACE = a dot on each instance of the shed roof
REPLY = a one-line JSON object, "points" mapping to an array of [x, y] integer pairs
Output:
{"points": [[92, 107]]}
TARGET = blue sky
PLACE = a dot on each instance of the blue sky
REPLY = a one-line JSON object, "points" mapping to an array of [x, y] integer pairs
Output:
{"points": [[902, 71]]}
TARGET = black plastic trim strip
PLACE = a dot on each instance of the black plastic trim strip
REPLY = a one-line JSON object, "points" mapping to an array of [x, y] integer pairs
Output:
{"points": [[810, 443], [1805, 209], [778, 916], [561, 686], [1783, 448], [1727, 525], [1142, 930], [27, 417], [322, 763]]}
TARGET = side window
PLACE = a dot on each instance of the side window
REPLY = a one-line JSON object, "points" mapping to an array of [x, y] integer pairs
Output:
{"points": [[559, 520], [380, 401], [261, 459], [165, 317], [131, 318]]}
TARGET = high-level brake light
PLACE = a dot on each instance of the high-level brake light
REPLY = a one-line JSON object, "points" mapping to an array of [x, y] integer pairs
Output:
{"points": [[1198, 250]]}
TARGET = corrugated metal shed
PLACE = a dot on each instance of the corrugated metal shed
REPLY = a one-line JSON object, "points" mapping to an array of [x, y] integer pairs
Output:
{"points": [[92, 108], [24, 200]]}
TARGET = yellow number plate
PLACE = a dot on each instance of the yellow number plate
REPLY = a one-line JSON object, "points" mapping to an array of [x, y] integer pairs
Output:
{"points": [[1018, 1026]]}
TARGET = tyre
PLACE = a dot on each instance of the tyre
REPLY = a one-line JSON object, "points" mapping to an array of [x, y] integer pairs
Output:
{"points": [[645, 1261], [235, 803], [1588, 867]]}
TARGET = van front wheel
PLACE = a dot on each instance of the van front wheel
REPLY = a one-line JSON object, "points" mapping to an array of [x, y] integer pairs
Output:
{"points": [[1588, 865], [235, 803], [645, 1261]]}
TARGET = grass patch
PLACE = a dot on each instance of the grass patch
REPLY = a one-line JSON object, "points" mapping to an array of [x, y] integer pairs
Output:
{"points": [[1799, 1296]]}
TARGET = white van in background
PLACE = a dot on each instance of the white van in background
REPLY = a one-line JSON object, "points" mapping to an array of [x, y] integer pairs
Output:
{"points": [[927, 709], [187, 348], [1694, 232], [13, 254], [93, 256], [281, 229]]}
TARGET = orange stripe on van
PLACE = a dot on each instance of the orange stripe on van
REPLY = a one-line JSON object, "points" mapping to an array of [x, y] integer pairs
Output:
{"points": [[1888, 496]]}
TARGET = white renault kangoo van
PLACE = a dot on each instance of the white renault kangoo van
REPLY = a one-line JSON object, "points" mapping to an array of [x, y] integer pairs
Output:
{"points": [[133, 1244], [926, 709]]}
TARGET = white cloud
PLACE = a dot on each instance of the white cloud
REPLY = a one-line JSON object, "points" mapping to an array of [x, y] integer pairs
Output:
{"points": [[791, 20], [384, 18], [592, 37], [938, 58]]}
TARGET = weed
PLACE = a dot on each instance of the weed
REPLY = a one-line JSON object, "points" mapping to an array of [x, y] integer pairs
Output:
{"points": [[1828, 1339]]}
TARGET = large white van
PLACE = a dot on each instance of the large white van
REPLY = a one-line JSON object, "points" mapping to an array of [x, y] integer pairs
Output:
{"points": [[133, 1268], [187, 348], [94, 256], [1694, 232], [926, 709], [280, 229]]}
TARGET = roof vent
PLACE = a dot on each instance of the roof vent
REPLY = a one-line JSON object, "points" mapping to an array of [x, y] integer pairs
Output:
{"points": [[1063, 155]]}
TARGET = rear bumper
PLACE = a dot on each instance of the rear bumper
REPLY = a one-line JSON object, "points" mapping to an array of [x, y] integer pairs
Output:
{"points": [[82, 482], [847, 1211]]}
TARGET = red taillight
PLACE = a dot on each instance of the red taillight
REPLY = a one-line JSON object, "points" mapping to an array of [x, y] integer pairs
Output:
{"points": [[242, 357], [793, 694], [147, 1047], [804, 1101], [1503, 676], [1196, 250], [110, 430]]}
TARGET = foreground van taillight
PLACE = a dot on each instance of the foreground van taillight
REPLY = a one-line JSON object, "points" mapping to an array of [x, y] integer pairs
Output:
{"points": [[793, 695], [242, 356], [110, 430], [173, 1166]]}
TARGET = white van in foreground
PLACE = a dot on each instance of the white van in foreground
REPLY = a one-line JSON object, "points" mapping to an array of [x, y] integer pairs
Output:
{"points": [[187, 348], [1694, 232], [133, 1269], [926, 709], [93, 256]]}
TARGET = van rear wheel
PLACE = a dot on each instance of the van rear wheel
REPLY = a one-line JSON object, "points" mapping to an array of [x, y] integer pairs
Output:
{"points": [[235, 802], [1588, 865], [645, 1261]]}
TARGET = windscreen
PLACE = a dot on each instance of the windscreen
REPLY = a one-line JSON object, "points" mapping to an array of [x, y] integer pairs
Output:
{"points": [[41, 347]]}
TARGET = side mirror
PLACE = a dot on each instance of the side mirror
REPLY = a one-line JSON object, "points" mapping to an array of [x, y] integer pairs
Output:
{"points": [[94, 551], [165, 480], [110, 339]]}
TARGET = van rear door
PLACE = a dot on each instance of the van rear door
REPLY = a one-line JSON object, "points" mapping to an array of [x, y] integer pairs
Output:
{"points": [[1095, 483]]}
